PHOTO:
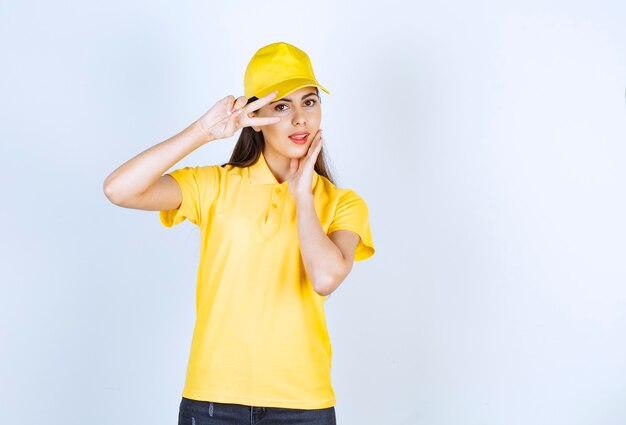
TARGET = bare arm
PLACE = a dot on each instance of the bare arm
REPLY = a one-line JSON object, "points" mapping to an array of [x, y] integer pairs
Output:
{"points": [[139, 183], [327, 259]]}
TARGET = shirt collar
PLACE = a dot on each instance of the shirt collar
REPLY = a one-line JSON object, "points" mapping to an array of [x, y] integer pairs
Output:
{"points": [[260, 173]]}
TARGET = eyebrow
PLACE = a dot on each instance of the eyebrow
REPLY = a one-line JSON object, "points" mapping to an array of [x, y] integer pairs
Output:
{"points": [[303, 97]]}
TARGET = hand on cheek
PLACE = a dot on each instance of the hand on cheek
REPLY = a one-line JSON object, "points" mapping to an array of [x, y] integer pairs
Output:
{"points": [[301, 170]]}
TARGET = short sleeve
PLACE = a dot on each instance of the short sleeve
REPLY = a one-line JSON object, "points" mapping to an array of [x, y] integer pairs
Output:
{"points": [[199, 186], [352, 213]]}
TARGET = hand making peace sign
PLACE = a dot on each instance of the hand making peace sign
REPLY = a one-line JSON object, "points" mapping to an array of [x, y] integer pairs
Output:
{"points": [[230, 115]]}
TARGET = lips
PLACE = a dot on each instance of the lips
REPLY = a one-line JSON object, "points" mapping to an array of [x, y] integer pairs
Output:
{"points": [[299, 138]]}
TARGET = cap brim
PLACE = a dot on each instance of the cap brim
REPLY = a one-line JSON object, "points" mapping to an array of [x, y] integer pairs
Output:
{"points": [[289, 86]]}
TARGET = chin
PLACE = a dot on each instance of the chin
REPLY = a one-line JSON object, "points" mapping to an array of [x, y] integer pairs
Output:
{"points": [[297, 151]]}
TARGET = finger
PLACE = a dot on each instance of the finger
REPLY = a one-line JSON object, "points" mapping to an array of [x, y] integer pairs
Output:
{"points": [[257, 104], [315, 142], [312, 157], [318, 135], [228, 101], [240, 102], [235, 121], [318, 149], [229, 128], [233, 105], [262, 121]]}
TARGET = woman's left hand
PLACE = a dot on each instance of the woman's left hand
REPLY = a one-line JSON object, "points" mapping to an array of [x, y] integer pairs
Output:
{"points": [[300, 176]]}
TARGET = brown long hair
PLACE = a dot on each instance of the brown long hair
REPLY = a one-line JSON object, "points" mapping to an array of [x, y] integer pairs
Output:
{"points": [[250, 144]]}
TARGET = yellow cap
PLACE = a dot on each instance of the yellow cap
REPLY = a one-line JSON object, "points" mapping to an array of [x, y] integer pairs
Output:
{"points": [[278, 66]]}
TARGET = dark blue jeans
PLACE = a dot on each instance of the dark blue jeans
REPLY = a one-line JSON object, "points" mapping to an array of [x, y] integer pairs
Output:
{"points": [[195, 412]]}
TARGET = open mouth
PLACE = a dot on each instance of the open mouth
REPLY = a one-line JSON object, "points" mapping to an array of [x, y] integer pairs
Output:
{"points": [[300, 138]]}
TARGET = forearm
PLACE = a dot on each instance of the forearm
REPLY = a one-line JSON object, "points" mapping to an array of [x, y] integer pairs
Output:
{"points": [[139, 173], [322, 259]]}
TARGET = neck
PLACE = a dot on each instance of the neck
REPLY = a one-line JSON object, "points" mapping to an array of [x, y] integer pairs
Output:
{"points": [[278, 164]]}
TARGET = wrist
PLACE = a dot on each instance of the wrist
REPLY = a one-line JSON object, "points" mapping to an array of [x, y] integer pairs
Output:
{"points": [[201, 134], [304, 200]]}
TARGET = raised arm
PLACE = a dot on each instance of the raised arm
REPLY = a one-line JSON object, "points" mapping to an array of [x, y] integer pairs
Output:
{"points": [[139, 183]]}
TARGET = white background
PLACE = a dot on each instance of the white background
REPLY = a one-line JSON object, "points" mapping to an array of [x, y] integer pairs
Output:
{"points": [[486, 137]]}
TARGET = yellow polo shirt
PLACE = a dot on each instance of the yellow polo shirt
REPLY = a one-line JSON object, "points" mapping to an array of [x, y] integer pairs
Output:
{"points": [[260, 337]]}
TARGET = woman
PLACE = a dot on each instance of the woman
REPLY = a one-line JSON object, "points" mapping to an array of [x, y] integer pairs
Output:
{"points": [[277, 238]]}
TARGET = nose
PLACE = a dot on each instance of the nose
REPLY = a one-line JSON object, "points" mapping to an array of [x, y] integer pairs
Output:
{"points": [[298, 117]]}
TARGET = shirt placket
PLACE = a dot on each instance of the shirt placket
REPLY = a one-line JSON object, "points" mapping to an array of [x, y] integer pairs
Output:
{"points": [[276, 207]]}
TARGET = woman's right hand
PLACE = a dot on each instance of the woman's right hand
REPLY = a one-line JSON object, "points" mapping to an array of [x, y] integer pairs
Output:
{"points": [[230, 115]]}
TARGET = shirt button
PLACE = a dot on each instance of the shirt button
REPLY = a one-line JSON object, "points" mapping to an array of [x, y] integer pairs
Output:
{"points": [[274, 206], [278, 190]]}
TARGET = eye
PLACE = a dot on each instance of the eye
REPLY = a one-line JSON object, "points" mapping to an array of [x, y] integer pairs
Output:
{"points": [[279, 105]]}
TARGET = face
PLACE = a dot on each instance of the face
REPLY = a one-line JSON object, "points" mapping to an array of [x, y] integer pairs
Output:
{"points": [[301, 113]]}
